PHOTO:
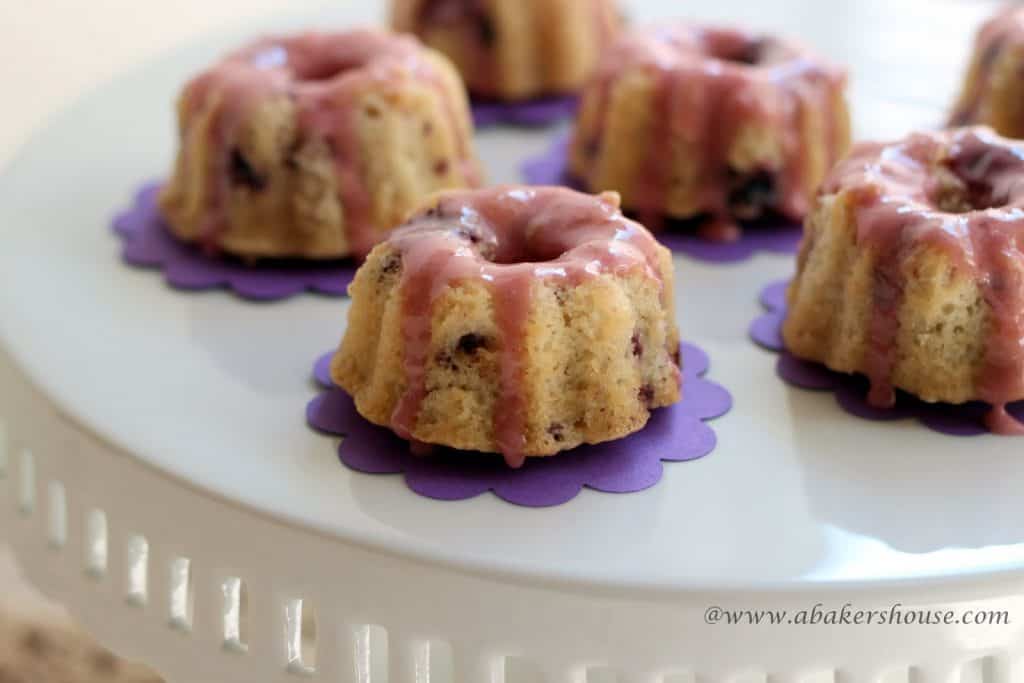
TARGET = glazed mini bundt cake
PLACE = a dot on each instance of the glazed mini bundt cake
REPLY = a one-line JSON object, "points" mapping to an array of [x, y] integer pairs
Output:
{"points": [[912, 271], [689, 121], [515, 320], [514, 49], [993, 93], [316, 145]]}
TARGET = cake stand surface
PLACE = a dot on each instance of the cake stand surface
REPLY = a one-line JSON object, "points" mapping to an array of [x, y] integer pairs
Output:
{"points": [[156, 474]]}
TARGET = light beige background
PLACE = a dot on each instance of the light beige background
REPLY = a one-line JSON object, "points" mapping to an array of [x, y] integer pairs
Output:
{"points": [[51, 51]]}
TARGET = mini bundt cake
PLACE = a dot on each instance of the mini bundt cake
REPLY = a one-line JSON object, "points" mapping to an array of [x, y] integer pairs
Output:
{"points": [[316, 145], [688, 121], [514, 49], [993, 94], [515, 320], [912, 271]]}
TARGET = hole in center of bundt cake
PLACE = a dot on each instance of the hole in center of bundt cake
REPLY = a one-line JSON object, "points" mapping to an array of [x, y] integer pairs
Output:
{"points": [[961, 198], [515, 249], [324, 68], [305, 65], [743, 50], [510, 246], [977, 178], [508, 256]]}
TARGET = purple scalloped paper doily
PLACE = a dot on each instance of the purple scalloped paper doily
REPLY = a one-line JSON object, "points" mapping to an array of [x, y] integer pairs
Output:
{"points": [[529, 114], [674, 434], [775, 236], [851, 390], [148, 244]]}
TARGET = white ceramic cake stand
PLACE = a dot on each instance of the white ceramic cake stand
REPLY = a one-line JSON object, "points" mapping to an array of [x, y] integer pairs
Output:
{"points": [[156, 474]]}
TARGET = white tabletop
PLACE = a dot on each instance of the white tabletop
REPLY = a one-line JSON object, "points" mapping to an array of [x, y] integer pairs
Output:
{"points": [[212, 390]]}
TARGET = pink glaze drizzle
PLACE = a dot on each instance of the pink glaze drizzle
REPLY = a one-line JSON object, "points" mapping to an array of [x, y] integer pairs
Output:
{"points": [[323, 74], [897, 196], [710, 82], [508, 238]]}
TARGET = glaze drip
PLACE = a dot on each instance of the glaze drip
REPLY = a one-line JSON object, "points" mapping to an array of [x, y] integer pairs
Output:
{"points": [[709, 85], [508, 238], [324, 75], [961, 191]]}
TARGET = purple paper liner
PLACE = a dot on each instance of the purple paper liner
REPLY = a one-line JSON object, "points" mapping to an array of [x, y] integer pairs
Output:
{"points": [[851, 391], [147, 243], [674, 434], [777, 236], [528, 114]]}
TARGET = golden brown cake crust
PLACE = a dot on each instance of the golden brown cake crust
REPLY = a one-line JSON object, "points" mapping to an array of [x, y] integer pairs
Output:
{"points": [[688, 120], [316, 145], [993, 90], [514, 49], [526, 334], [912, 270]]}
